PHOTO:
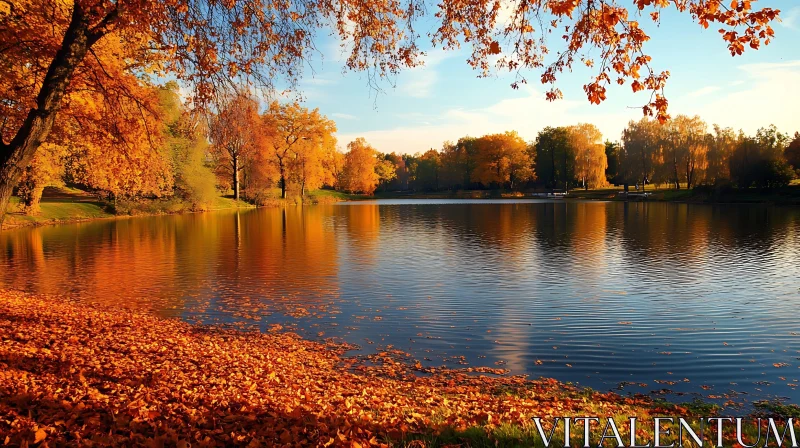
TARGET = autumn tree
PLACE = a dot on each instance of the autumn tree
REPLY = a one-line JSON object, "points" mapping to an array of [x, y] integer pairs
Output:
{"points": [[721, 145], [400, 179], [46, 169], [386, 170], [363, 170], [236, 135], [503, 159], [641, 143], [122, 155], [186, 140], [683, 142], [590, 156], [461, 160], [307, 169], [298, 138], [333, 162], [52, 49]]}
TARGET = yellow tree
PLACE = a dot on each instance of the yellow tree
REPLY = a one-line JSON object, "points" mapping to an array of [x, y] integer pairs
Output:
{"points": [[298, 137], [308, 169], [503, 159], [685, 148], [235, 130], [46, 169], [333, 161], [590, 155], [360, 163], [386, 170], [640, 146], [50, 48], [722, 144], [123, 154], [187, 146]]}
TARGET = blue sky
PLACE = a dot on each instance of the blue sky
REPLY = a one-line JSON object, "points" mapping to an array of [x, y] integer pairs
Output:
{"points": [[444, 100]]}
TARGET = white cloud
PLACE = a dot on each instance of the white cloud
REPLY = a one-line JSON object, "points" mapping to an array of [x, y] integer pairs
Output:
{"points": [[703, 91], [343, 116]]}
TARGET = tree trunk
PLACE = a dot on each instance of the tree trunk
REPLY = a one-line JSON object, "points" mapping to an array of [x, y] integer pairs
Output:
{"points": [[236, 178], [17, 155], [677, 176], [283, 177], [32, 197]]}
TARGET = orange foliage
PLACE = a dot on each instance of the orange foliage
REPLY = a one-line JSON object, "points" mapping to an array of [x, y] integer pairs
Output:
{"points": [[301, 141], [77, 374], [108, 118], [46, 169], [237, 137], [590, 156], [361, 165], [503, 159]]}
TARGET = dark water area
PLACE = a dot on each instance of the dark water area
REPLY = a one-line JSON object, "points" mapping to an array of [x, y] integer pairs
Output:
{"points": [[677, 300]]}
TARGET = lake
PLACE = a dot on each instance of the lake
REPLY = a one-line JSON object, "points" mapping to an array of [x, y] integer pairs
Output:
{"points": [[677, 300]]}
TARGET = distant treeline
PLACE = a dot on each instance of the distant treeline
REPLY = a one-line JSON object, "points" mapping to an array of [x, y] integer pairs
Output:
{"points": [[681, 152]]}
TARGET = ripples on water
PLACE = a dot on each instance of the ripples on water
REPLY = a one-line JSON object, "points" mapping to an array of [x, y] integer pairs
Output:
{"points": [[672, 298]]}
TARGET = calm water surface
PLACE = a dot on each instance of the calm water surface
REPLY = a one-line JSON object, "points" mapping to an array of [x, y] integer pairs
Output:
{"points": [[673, 299]]}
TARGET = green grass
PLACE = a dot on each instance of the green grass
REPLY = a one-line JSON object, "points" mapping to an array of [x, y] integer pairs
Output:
{"points": [[71, 205], [55, 212], [222, 203], [776, 408], [175, 205], [63, 205], [327, 196]]}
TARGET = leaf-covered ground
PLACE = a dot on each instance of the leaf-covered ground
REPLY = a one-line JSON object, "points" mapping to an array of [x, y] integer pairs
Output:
{"points": [[72, 373]]}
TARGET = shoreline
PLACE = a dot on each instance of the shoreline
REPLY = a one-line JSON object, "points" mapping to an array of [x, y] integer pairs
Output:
{"points": [[73, 373], [82, 219], [72, 211], [789, 196], [784, 196]]}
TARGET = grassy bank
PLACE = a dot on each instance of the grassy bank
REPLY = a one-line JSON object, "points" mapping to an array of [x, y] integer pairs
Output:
{"points": [[79, 207], [82, 374], [71, 205], [68, 205]]}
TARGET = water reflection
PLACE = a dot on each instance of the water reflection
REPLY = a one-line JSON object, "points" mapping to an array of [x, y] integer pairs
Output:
{"points": [[671, 296]]}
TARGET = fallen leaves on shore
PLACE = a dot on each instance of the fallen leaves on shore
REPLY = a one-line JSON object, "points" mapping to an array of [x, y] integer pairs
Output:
{"points": [[72, 374]]}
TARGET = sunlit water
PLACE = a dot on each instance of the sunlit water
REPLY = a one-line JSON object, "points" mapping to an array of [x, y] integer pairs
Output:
{"points": [[674, 299]]}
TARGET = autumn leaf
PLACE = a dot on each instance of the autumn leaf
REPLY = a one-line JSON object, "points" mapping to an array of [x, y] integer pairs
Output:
{"points": [[40, 435]]}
